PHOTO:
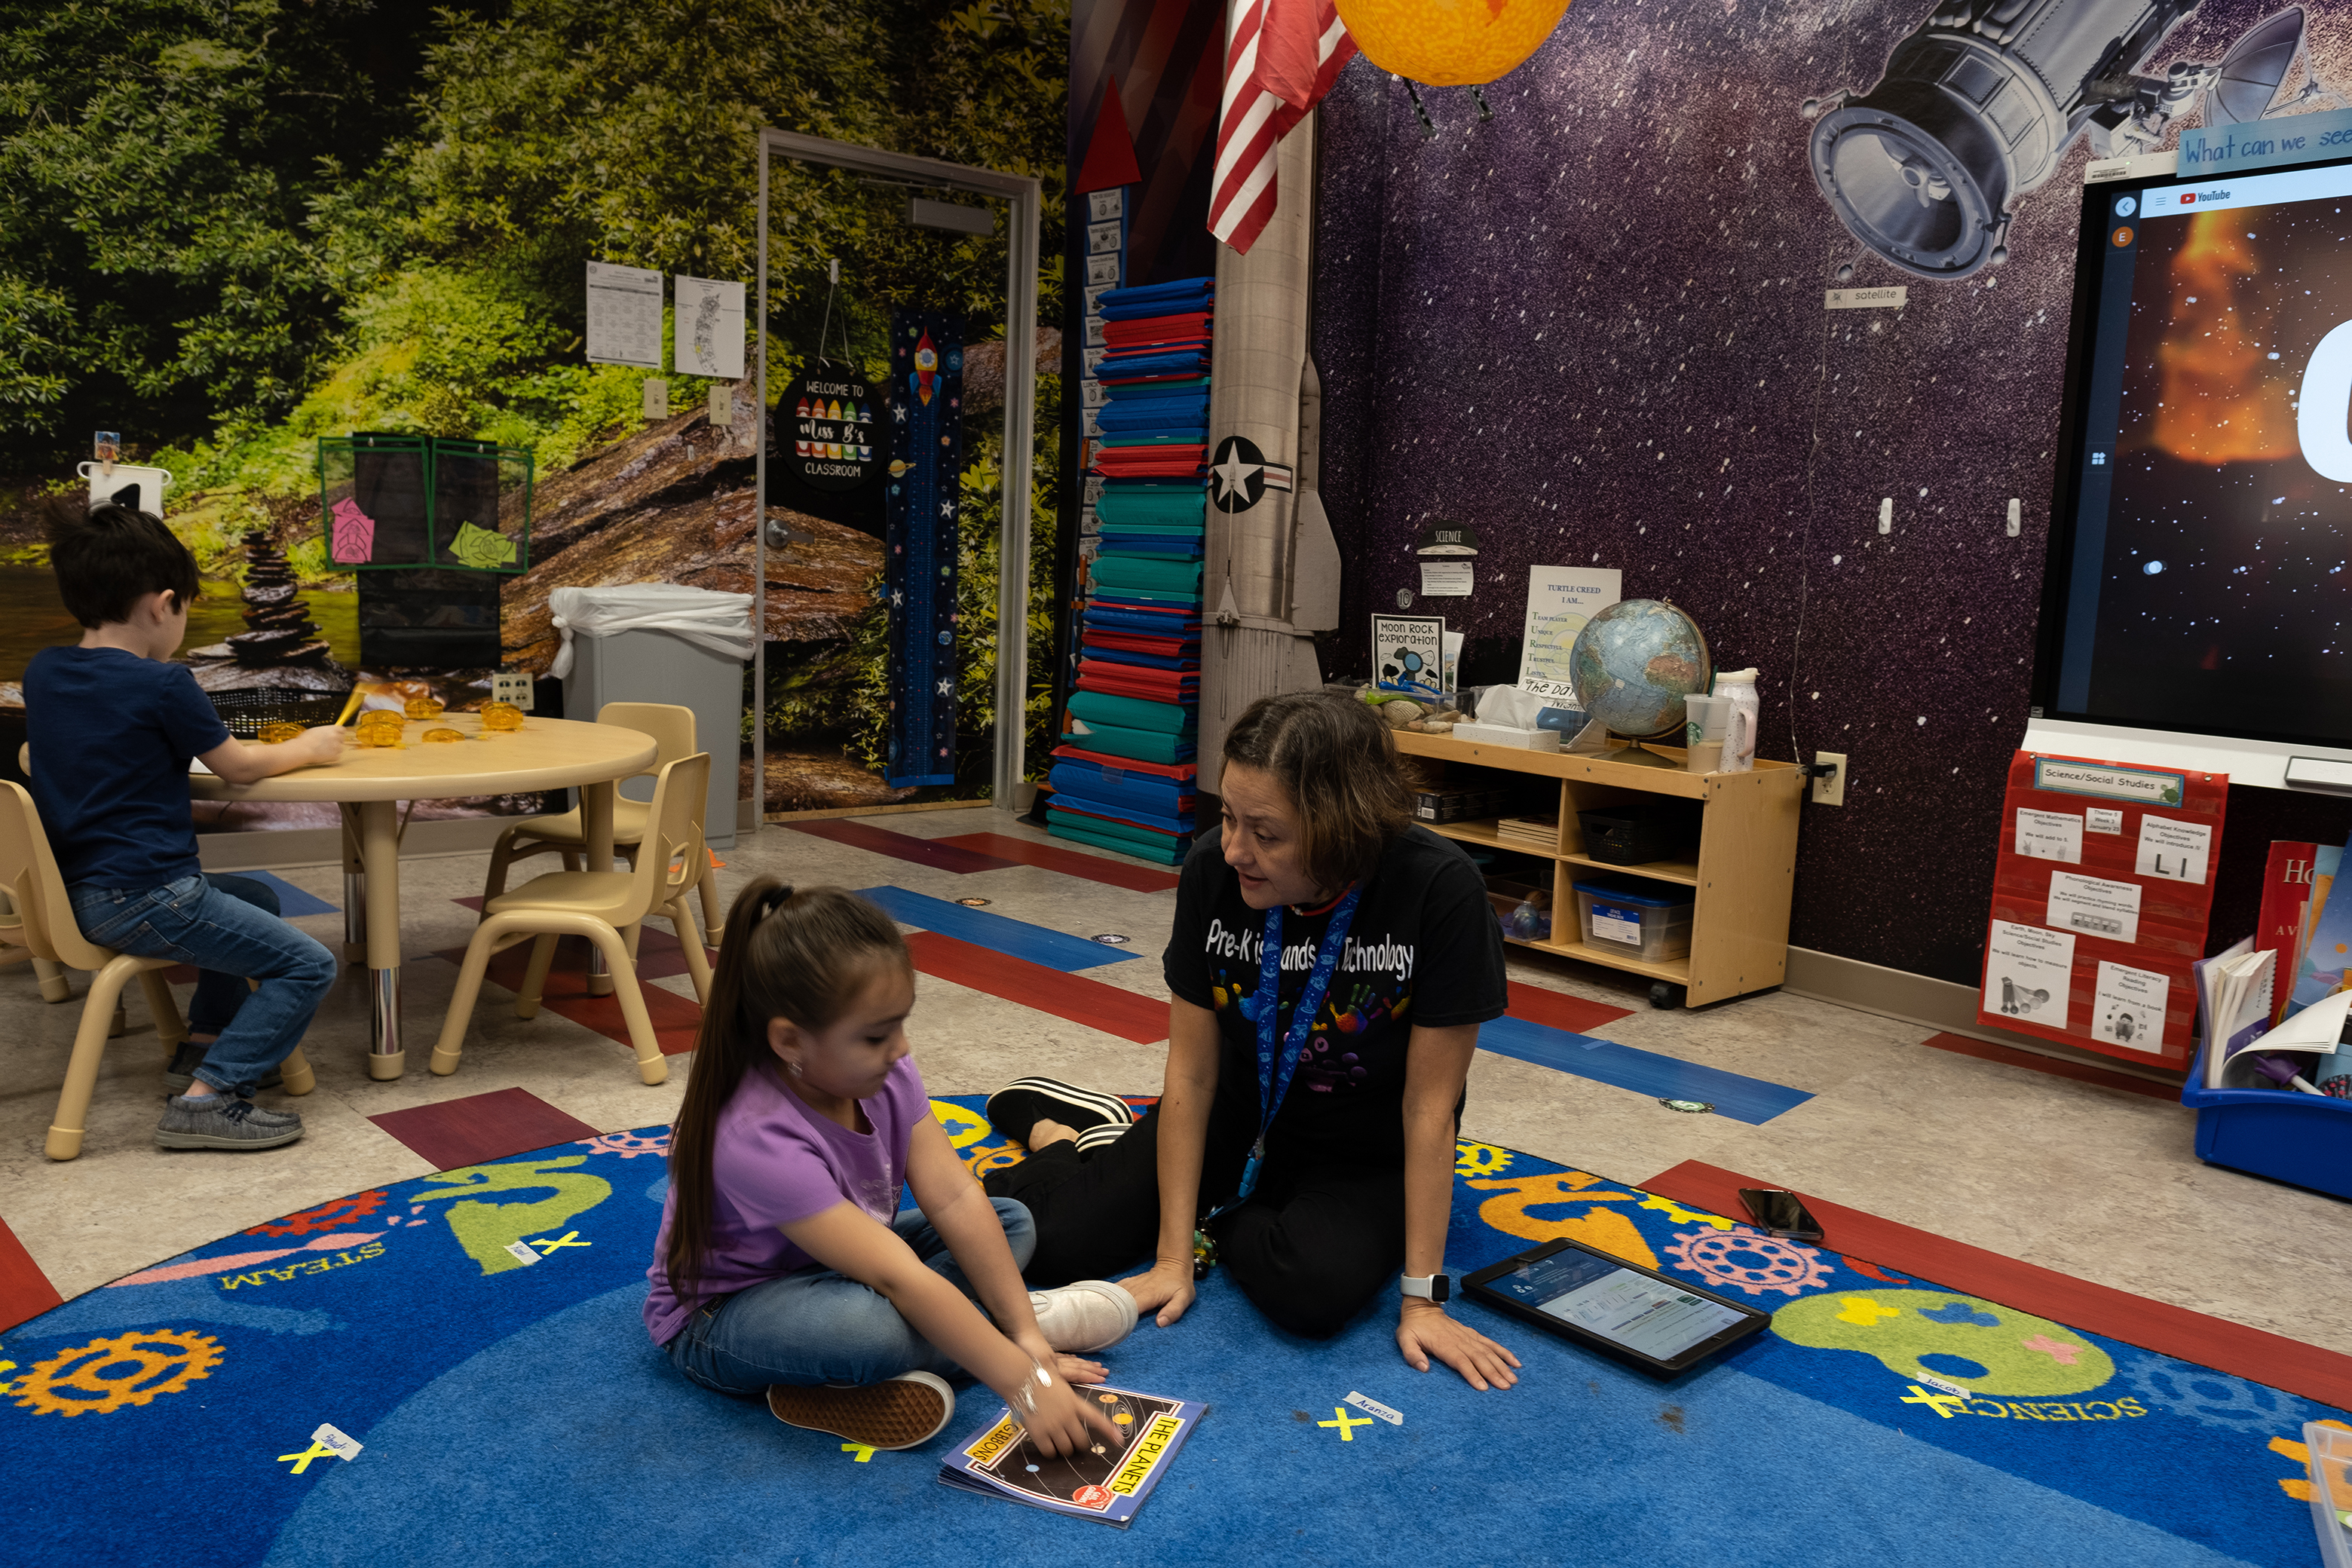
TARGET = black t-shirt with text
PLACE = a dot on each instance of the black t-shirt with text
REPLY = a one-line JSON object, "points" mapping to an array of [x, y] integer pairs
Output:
{"points": [[1424, 948]]}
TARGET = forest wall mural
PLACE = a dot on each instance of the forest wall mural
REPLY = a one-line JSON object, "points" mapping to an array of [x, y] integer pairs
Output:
{"points": [[229, 229]]}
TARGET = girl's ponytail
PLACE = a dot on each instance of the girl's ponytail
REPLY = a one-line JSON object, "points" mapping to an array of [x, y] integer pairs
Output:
{"points": [[802, 955]]}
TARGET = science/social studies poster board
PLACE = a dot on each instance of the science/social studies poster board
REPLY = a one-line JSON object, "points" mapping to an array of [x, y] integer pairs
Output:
{"points": [[2101, 896], [1561, 601]]}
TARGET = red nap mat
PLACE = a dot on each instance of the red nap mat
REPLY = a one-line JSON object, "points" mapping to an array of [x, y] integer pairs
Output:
{"points": [[1136, 642]]}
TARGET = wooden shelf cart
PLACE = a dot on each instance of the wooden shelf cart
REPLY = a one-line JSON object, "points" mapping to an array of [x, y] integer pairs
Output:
{"points": [[1743, 874]]}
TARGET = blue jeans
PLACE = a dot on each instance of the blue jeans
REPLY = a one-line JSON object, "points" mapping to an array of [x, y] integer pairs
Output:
{"points": [[815, 1326], [228, 928]]}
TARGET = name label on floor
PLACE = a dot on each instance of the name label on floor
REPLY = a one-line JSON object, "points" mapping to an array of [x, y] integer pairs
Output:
{"points": [[1942, 1386], [1374, 1408], [344, 1448], [523, 1251]]}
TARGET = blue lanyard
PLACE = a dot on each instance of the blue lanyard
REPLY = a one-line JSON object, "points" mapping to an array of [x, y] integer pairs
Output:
{"points": [[1275, 1070]]}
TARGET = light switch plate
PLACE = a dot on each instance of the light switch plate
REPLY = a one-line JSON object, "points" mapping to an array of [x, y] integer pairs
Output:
{"points": [[514, 688]]}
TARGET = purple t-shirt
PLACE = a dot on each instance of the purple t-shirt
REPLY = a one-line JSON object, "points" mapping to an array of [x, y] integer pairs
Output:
{"points": [[775, 1161]]}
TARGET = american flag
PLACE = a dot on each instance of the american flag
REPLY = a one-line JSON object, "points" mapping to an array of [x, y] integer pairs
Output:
{"points": [[1283, 58]]}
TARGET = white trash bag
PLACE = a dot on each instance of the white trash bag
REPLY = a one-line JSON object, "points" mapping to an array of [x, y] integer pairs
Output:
{"points": [[703, 617]]}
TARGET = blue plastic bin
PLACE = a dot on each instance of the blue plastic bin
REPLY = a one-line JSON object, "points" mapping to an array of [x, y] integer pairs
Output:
{"points": [[2286, 1135]]}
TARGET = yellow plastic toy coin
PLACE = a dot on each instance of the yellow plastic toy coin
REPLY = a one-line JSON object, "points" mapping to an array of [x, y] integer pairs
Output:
{"points": [[380, 735], [424, 708], [278, 729], [443, 737], [375, 716], [1450, 43], [501, 716]]}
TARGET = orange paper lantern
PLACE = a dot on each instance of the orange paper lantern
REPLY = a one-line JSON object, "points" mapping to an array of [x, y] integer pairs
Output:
{"points": [[1450, 43]]}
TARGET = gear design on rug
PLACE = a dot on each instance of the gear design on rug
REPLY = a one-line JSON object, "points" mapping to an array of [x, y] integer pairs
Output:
{"points": [[106, 1374], [2212, 1398], [627, 1146], [332, 1215], [986, 1160], [1750, 1260], [1479, 1159]]}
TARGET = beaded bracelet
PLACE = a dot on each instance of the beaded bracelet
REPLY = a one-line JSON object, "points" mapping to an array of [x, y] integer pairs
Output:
{"points": [[1024, 1404]]}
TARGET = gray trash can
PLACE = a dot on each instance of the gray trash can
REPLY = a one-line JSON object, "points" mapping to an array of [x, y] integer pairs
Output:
{"points": [[615, 656]]}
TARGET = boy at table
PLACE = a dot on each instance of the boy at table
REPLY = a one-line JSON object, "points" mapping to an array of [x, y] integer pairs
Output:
{"points": [[112, 724]]}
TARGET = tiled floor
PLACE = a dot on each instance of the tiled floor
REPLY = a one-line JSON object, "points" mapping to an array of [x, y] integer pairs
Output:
{"points": [[2078, 1177]]}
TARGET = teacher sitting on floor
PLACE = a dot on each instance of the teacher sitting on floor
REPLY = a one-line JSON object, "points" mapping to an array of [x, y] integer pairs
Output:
{"points": [[1307, 1126]]}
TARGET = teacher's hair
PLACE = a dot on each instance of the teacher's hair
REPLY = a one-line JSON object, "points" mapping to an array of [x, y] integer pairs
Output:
{"points": [[1335, 758], [804, 956]]}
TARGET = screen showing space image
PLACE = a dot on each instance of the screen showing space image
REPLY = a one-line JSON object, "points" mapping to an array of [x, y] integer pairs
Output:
{"points": [[2207, 588]]}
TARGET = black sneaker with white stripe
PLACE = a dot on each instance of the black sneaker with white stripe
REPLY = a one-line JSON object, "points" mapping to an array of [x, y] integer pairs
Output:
{"points": [[1017, 1108]]}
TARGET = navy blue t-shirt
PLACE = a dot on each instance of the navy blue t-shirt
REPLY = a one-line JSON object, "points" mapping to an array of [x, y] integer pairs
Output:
{"points": [[111, 734]]}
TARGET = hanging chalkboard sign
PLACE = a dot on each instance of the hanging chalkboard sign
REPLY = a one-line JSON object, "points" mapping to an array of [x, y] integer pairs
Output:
{"points": [[831, 412]]}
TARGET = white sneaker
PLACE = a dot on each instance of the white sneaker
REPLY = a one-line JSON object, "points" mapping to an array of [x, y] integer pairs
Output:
{"points": [[1089, 1315]]}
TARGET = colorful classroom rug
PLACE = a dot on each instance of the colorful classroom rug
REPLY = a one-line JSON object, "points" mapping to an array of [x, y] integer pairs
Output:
{"points": [[477, 1335]]}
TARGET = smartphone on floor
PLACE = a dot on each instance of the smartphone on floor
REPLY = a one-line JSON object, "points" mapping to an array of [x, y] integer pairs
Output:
{"points": [[1777, 1212]]}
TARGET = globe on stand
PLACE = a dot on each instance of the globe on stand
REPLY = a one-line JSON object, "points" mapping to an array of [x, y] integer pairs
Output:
{"points": [[1632, 666]]}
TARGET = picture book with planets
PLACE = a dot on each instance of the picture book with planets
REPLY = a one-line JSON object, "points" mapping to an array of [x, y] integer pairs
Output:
{"points": [[1103, 1480]]}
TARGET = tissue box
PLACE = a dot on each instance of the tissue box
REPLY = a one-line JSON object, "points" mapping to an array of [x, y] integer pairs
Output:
{"points": [[1508, 735]]}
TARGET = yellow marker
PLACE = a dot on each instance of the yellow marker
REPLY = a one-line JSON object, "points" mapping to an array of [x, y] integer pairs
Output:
{"points": [[351, 706], [1346, 1423], [317, 1450]]}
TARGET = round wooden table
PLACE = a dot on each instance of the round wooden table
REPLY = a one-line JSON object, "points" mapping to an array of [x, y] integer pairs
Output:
{"points": [[370, 782]]}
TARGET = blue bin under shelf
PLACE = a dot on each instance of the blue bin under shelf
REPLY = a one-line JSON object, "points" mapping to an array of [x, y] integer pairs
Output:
{"points": [[2286, 1135]]}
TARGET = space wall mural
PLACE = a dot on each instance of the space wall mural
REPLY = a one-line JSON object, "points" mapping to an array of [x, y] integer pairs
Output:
{"points": [[1594, 326]]}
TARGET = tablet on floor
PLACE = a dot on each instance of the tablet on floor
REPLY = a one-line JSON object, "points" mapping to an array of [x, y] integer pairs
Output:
{"points": [[1624, 1311]]}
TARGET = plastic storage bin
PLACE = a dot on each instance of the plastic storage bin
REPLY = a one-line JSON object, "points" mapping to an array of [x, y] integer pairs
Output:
{"points": [[1639, 831], [1649, 920], [2331, 1488], [2305, 1138]]}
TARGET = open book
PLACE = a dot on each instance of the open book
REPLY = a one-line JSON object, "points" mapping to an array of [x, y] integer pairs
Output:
{"points": [[2234, 1003], [1107, 1481]]}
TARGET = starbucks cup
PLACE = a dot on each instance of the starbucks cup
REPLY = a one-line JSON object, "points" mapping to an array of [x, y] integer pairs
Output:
{"points": [[1703, 732]]}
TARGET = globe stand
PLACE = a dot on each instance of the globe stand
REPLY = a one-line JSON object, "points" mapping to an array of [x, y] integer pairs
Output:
{"points": [[1635, 755]]}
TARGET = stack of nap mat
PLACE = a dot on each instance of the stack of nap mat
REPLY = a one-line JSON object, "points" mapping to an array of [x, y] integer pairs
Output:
{"points": [[1123, 777]]}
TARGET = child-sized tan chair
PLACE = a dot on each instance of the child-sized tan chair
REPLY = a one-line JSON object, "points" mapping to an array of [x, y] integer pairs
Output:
{"points": [[44, 927], [600, 905], [672, 729]]}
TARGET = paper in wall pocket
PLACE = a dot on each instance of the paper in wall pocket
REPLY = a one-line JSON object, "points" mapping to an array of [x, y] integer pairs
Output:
{"points": [[352, 533], [480, 548]]}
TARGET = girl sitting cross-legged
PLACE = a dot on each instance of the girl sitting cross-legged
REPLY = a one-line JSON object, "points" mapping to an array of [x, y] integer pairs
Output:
{"points": [[784, 1267]]}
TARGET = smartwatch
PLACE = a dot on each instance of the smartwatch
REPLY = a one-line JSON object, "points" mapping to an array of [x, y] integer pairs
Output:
{"points": [[1430, 1287]]}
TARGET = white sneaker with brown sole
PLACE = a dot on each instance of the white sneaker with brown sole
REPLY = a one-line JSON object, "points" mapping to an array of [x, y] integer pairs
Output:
{"points": [[901, 1412]]}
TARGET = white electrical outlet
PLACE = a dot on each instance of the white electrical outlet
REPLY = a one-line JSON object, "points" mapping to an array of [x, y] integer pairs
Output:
{"points": [[1830, 791], [514, 688]]}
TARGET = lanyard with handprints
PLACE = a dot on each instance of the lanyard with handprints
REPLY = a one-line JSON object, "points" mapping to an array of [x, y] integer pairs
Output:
{"points": [[1274, 1072]]}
